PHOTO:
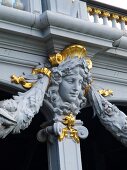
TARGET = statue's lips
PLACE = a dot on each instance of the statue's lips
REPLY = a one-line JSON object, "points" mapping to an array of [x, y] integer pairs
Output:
{"points": [[74, 94]]}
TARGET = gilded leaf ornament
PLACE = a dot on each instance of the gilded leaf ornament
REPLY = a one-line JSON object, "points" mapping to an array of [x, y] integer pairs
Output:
{"points": [[105, 92]]}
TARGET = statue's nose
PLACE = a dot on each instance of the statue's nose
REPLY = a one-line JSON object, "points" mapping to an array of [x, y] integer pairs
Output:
{"points": [[76, 86]]}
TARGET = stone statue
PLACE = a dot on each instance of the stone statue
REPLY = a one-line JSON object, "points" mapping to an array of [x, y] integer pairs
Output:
{"points": [[65, 87], [66, 92]]}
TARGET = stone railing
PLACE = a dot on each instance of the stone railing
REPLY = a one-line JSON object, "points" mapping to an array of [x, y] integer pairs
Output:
{"points": [[18, 4], [108, 17], [33, 6]]}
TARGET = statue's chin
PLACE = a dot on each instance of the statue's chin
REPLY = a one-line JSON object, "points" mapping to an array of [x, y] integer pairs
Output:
{"points": [[71, 101]]}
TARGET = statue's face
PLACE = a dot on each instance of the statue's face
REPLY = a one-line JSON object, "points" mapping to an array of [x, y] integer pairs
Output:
{"points": [[71, 86]]}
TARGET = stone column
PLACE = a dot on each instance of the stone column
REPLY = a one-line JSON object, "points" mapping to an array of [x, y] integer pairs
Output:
{"points": [[64, 153]]}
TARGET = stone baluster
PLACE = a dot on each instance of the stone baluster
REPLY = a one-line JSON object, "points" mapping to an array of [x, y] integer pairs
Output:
{"points": [[122, 20], [90, 11], [95, 12], [7, 3], [114, 18], [105, 15], [18, 5]]}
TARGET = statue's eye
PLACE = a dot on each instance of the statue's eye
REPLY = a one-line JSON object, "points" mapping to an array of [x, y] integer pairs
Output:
{"points": [[70, 80]]}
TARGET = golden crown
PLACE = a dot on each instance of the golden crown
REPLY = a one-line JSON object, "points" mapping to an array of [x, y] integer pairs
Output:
{"points": [[71, 51]]}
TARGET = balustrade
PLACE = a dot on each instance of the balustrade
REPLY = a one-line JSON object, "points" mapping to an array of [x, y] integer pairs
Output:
{"points": [[109, 18], [18, 4], [96, 13], [33, 6]]}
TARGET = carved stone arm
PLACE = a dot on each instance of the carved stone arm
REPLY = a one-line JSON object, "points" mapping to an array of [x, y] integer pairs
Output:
{"points": [[110, 116], [16, 114]]}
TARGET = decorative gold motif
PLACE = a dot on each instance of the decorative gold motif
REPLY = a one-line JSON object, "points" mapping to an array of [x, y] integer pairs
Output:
{"points": [[105, 93], [96, 11], [90, 10], [71, 51], [21, 80], [69, 121], [74, 50], [56, 59], [114, 16], [89, 63], [122, 18], [44, 70], [87, 89], [93, 11], [108, 14], [105, 14]]}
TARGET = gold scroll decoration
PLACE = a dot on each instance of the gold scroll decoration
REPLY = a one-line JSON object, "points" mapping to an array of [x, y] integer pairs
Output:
{"points": [[21, 80], [25, 83]]}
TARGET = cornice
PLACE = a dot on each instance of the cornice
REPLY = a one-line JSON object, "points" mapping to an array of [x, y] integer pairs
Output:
{"points": [[17, 16], [49, 18], [109, 79], [22, 21], [110, 65]]}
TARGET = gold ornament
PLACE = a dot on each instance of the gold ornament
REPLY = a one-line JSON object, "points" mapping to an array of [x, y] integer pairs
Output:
{"points": [[105, 93], [96, 11], [93, 11], [87, 88], [56, 59], [25, 83], [44, 71], [122, 19], [105, 14], [69, 121], [114, 16], [89, 9], [21, 80], [71, 51]]}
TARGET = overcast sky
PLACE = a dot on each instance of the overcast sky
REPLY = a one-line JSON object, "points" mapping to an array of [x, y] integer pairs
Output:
{"points": [[117, 3]]}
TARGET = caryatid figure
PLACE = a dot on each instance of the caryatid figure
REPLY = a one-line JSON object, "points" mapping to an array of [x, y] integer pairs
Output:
{"points": [[64, 87]]}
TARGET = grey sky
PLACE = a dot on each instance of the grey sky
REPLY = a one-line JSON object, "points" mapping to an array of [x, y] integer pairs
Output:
{"points": [[117, 3]]}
